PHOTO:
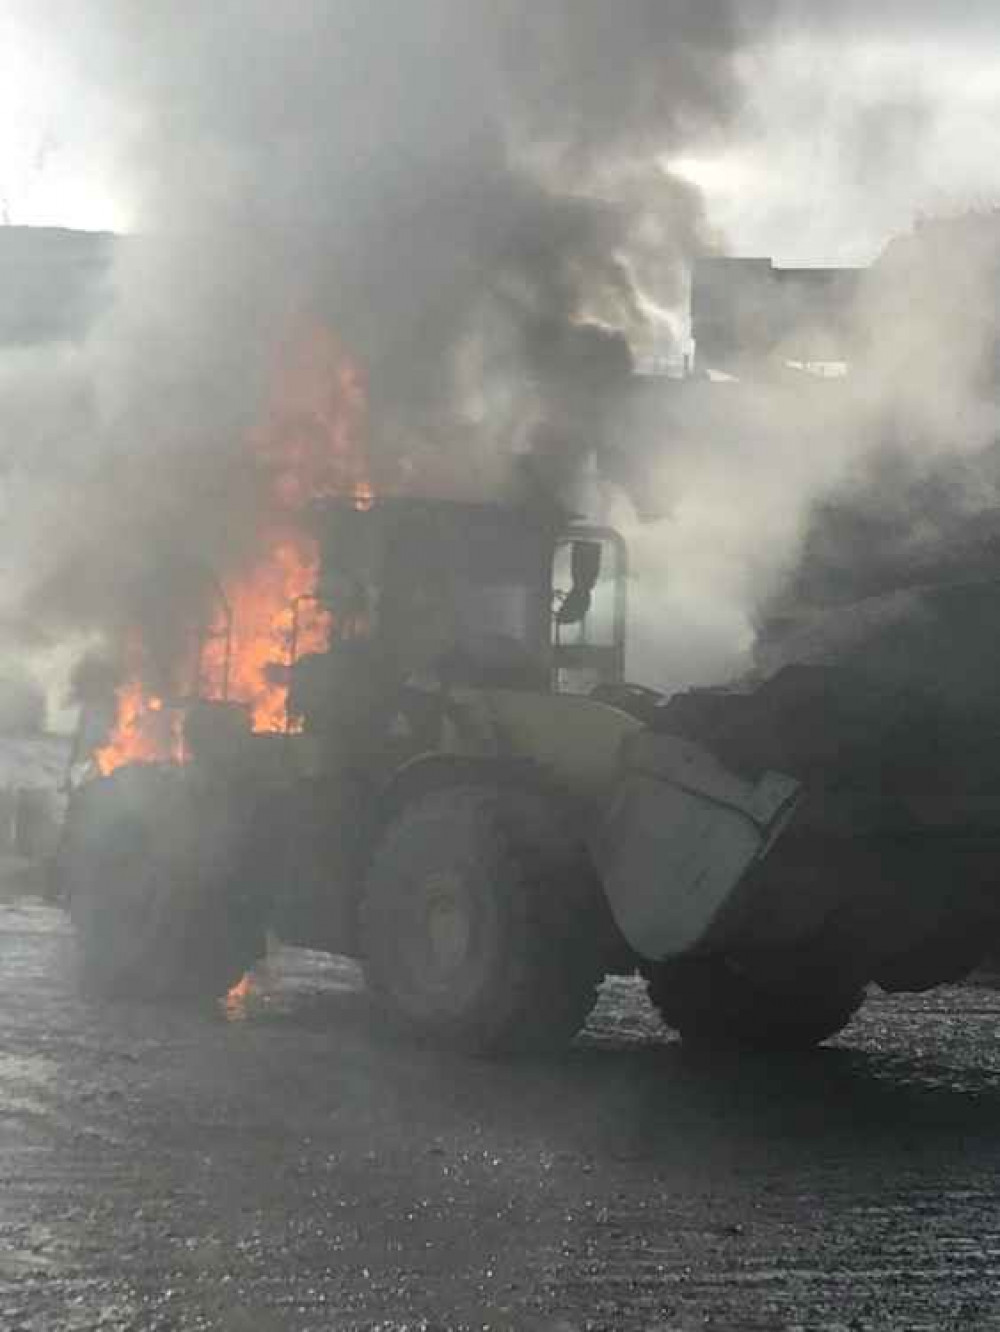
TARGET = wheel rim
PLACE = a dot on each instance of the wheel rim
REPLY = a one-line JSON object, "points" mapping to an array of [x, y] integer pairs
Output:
{"points": [[448, 926], [439, 950]]}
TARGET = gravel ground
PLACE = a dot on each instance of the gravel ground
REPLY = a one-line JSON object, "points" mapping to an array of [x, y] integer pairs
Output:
{"points": [[281, 1166]]}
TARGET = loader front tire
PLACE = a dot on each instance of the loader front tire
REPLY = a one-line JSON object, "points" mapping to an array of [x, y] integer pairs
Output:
{"points": [[482, 923], [712, 1003], [148, 866]]}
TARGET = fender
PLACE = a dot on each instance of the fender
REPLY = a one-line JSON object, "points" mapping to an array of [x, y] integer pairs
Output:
{"points": [[434, 771]]}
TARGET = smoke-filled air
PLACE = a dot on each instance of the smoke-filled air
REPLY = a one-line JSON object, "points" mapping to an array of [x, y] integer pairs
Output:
{"points": [[499, 640], [423, 248], [468, 200]]}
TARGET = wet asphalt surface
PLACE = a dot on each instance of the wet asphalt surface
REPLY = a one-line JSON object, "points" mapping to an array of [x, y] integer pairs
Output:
{"points": [[283, 1166]]}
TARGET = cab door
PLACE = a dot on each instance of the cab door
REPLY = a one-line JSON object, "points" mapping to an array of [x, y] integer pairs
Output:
{"points": [[590, 589]]}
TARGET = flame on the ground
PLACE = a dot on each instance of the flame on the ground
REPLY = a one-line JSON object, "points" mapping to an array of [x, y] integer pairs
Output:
{"points": [[310, 445], [235, 1003]]}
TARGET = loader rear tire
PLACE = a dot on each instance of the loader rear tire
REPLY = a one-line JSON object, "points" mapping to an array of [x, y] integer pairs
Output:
{"points": [[712, 1003], [482, 923], [148, 863]]}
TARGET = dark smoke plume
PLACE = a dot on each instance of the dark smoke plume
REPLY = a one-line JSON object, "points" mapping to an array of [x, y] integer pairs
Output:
{"points": [[470, 192]]}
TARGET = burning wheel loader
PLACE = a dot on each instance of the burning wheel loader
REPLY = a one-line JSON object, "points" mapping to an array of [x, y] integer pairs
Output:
{"points": [[467, 797]]}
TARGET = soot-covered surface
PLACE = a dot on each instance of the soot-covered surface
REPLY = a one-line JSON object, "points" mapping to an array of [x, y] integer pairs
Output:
{"points": [[284, 1167]]}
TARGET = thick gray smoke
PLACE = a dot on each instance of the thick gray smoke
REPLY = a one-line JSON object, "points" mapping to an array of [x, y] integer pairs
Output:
{"points": [[470, 193], [917, 497], [922, 505], [787, 492]]}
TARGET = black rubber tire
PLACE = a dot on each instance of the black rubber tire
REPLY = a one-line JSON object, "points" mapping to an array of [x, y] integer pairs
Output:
{"points": [[148, 861], [483, 925], [712, 1003]]}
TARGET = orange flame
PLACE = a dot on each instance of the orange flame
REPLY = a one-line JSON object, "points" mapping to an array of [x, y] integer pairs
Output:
{"points": [[266, 614], [145, 731], [309, 446], [236, 1002]]}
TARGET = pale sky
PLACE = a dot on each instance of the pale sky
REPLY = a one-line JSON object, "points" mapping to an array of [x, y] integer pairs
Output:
{"points": [[58, 135], [855, 123], [848, 136]]}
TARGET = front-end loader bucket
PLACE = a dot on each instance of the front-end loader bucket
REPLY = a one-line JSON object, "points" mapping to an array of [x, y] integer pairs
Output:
{"points": [[679, 835]]}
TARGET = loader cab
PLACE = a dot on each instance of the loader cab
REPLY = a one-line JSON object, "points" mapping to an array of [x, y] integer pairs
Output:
{"points": [[476, 594]]}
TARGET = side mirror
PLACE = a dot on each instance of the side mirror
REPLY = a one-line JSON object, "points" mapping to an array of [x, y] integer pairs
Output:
{"points": [[585, 569]]}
